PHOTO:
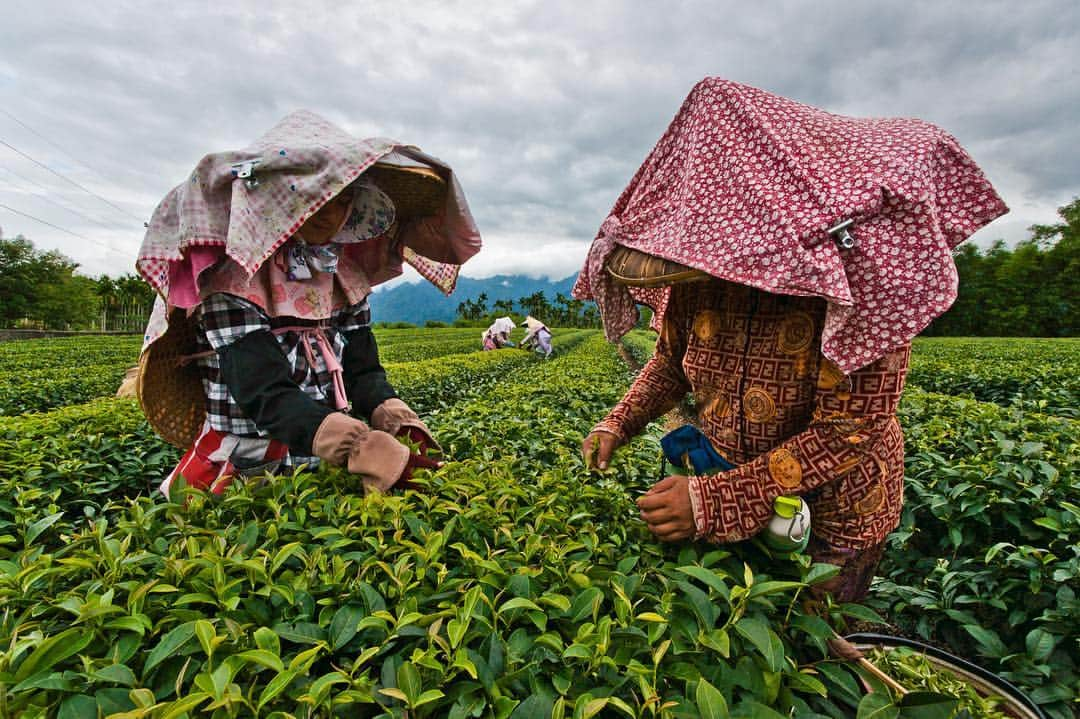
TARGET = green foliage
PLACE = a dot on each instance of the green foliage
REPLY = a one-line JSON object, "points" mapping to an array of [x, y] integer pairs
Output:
{"points": [[934, 685], [38, 375], [1028, 291], [428, 349], [37, 390], [517, 584], [62, 354], [640, 344], [563, 312], [42, 287], [986, 558], [126, 302], [395, 325], [1039, 375]]}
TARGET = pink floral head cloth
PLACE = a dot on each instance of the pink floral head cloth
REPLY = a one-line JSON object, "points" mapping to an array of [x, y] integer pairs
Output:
{"points": [[746, 185], [245, 204]]}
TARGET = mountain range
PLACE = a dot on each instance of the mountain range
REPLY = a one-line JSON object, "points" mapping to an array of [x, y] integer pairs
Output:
{"points": [[421, 301]]}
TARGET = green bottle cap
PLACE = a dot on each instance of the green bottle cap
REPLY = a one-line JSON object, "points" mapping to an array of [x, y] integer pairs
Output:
{"points": [[787, 507]]}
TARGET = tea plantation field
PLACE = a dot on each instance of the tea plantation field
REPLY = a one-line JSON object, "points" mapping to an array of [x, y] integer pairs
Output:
{"points": [[517, 584]]}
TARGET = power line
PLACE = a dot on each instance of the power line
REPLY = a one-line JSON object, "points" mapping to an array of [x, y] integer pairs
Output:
{"points": [[58, 227], [58, 147], [45, 222], [57, 202], [66, 179]]}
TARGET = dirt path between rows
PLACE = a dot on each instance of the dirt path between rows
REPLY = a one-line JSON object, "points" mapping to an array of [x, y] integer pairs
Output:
{"points": [[629, 359]]}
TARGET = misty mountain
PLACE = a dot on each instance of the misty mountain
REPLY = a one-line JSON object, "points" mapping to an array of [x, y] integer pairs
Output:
{"points": [[421, 301]]}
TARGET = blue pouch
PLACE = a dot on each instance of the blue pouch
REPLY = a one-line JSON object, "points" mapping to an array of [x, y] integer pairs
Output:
{"points": [[687, 449]]}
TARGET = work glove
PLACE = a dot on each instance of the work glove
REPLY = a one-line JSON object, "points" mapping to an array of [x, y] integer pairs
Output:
{"points": [[395, 417], [379, 458]]}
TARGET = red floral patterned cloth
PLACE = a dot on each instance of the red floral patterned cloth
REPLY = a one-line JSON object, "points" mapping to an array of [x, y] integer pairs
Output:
{"points": [[745, 184], [773, 405]]}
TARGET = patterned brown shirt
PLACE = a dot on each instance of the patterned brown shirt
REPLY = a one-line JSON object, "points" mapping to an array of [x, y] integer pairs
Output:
{"points": [[771, 404]]}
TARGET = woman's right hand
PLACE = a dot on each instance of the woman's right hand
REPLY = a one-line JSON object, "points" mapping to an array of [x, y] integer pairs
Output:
{"points": [[598, 448]]}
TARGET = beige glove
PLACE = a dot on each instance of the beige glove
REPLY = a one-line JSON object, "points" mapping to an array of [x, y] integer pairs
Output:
{"points": [[376, 456], [395, 417]]}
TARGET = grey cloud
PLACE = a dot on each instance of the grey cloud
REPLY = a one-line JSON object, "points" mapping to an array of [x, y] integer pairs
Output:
{"points": [[544, 109]]}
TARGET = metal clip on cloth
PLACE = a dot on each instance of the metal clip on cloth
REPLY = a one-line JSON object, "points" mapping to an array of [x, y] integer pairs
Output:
{"points": [[244, 171], [841, 232]]}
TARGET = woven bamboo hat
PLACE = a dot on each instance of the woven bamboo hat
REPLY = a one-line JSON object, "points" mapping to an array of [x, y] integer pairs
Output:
{"points": [[170, 387], [639, 269], [416, 190]]}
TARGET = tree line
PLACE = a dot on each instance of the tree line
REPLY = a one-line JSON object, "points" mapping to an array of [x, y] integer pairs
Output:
{"points": [[563, 311], [1030, 290], [42, 290]]}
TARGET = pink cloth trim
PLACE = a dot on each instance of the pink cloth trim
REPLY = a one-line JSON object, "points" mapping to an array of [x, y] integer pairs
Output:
{"points": [[184, 275], [333, 365]]}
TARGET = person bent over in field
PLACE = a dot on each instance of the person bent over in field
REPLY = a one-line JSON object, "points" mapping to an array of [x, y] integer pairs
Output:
{"points": [[790, 256], [260, 356]]}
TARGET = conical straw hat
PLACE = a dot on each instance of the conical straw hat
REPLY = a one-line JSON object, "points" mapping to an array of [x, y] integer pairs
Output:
{"points": [[416, 191], [638, 269]]}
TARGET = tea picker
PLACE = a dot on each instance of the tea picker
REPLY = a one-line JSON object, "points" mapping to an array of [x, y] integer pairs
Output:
{"points": [[259, 356], [789, 255], [497, 335], [537, 337]]}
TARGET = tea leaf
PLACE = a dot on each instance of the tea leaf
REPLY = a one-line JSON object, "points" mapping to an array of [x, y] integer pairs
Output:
{"points": [[52, 651], [877, 706], [170, 644], [710, 702]]}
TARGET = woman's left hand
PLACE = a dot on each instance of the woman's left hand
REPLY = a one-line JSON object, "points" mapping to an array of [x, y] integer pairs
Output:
{"points": [[667, 511]]}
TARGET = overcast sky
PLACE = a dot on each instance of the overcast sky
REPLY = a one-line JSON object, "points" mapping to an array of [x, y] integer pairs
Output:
{"points": [[544, 109]]}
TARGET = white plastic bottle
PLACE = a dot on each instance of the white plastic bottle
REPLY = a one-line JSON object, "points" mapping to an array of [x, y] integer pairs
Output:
{"points": [[789, 528]]}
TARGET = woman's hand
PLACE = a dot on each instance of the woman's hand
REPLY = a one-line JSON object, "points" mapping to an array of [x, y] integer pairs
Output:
{"points": [[667, 510], [598, 448]]}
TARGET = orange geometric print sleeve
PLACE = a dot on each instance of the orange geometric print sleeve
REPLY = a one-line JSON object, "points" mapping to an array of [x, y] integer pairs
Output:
{"points": [[852, 453], [661, 383]]}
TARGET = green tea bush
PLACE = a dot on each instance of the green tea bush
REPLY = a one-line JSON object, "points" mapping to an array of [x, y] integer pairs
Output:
{"points": [[39, 375], [640, 344], [515, 585], [987, 559], [387, 337], [63, 353], [1042, 375], [43, 389], [428, 349]]}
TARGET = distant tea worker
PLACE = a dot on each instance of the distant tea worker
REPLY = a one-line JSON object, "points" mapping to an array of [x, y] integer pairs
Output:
{"points": [[537, 337], [497, 335]]}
